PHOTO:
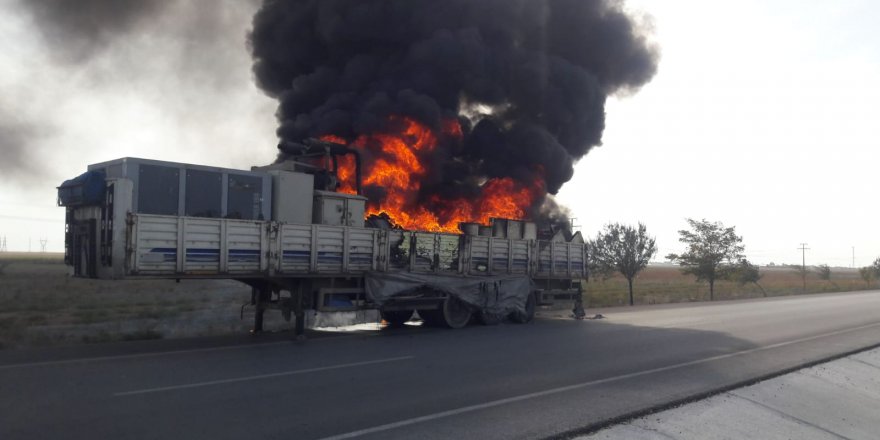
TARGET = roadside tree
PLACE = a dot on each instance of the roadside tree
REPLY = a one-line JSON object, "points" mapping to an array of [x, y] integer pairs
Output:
{"points": [[595, 269], [709, 245], [743, 272], [625, 249], [867, 274], [824, 272]]}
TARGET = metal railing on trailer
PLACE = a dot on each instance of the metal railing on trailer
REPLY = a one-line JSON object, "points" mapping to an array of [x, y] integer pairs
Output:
{"points": [[179, 247]]}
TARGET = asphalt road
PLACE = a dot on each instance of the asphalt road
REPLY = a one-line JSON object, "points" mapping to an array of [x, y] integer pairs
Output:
{"points": [[553, 377]]}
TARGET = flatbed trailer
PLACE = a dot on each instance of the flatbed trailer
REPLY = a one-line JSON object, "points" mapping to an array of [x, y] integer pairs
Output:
{"points": [[324, 260]]}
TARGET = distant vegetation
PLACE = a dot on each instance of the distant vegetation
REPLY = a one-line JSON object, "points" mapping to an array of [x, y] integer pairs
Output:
{"points": [[742, 273], [823, 271], [714, 257], [660, 284], [870, 273]]}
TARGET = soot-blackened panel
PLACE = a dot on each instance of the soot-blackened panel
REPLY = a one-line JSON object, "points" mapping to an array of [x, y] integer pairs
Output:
{"points": [[245, 197], [158, 190], [204, 193]]}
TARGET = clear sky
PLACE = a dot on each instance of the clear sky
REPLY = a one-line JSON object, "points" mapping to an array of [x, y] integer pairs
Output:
{"points": [[764, 115]]}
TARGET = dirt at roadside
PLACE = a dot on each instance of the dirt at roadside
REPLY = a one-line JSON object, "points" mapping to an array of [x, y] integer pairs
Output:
{"points": [[40, 305]]}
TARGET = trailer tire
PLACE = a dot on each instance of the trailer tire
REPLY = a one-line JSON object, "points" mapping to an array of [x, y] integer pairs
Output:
{"points": [[529, 314], [455, 313], [396, 318]]}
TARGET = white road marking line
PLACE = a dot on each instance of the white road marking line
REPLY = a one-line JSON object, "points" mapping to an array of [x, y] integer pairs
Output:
{"points": [[139, 355], [522, 397], [260, 376]]}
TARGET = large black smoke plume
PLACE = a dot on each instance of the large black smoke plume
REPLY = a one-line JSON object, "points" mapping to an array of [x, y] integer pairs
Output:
{"points": [[528, 79]]}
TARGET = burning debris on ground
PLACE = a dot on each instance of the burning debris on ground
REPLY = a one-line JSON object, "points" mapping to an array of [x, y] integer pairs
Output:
{"points": [[462, 110]]}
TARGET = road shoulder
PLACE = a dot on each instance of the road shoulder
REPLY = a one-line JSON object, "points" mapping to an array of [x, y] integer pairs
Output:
{"points": [[836, 399]]}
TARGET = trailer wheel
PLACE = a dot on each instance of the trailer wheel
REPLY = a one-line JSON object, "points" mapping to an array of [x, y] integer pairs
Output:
{"points": [[396, 318], [529, 315], [455, 313]]}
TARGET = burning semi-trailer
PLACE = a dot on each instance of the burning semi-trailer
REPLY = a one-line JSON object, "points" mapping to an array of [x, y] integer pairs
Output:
{"points": [[421, 144], [302, 245]]}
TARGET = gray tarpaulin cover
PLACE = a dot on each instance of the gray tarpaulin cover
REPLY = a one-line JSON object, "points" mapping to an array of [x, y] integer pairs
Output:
{"points": [[497, 295]]}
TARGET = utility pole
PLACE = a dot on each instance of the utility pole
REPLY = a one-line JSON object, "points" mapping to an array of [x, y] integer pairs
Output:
{"points": [[804, 250], [854, 257], [43, 242]]}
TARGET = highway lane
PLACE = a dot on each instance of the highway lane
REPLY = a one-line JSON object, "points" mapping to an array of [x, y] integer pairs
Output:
{"points": [[550, 378]]}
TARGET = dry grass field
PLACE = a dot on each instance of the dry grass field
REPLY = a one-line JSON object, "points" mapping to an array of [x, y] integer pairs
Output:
{"points": [[41, 306], [666, 284]]}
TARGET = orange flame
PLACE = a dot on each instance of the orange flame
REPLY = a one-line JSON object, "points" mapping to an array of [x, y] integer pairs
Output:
{"points": [[395, 163]]}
